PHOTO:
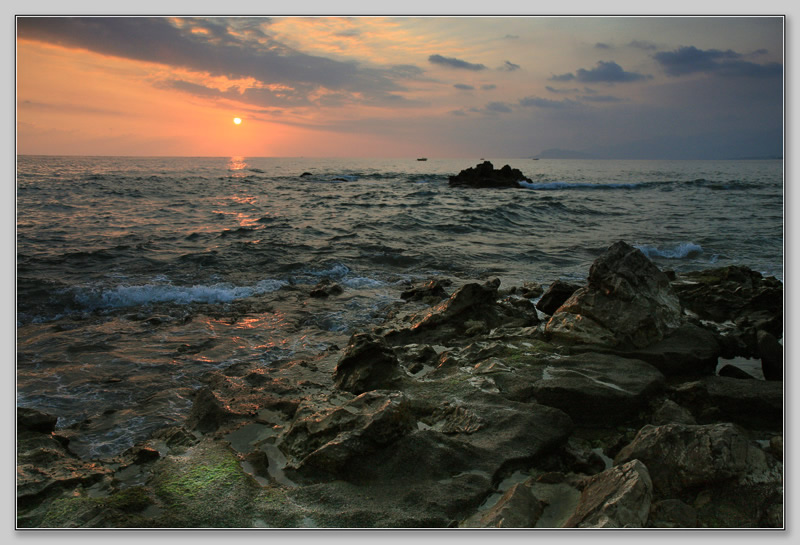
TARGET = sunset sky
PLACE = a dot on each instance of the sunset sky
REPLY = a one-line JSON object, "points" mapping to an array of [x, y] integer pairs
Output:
{"points": [[644, 87]]}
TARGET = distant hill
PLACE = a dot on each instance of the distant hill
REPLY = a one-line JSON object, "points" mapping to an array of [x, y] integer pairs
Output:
{"points": [[556, 153]]}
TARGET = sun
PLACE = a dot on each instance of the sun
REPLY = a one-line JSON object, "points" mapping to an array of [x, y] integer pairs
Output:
{"points": [[237, 120]]}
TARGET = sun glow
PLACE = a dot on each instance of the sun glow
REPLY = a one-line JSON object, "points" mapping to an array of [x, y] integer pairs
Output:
{"points": [[237, 120]]}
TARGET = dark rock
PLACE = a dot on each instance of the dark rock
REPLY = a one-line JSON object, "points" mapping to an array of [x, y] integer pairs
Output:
{"points": [[616, 498], [33, 420], [433, 290], [669, 412], [627, 302], [556, 295], [326, 288], [324, 442], [672, 513], [367, 364], [531, 289], [303, 175], [751, 403], [771, 353], [682, 457], [208, 412], [733, 293], [732, 371], [517, 508], [598, 388], [687, 351], [485, 175]]}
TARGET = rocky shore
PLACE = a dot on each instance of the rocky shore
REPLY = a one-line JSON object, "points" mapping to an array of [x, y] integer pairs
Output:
{"points": [[621, 403]]}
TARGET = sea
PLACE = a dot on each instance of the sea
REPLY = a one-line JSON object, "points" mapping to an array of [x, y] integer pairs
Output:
{"points": [[137, 276]]}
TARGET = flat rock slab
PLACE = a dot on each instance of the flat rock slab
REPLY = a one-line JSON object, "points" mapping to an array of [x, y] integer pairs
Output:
{"points": [[597, 388]]}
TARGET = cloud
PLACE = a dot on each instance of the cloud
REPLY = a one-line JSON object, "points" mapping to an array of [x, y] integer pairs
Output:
{"points": [[455, 63], [643, 44], [547, 103], [464, 87], [604, 72], [690, 60], [488, 86], [562, 91], [600, 45], [232, 48], [498, 107], [600, 98], [509, 66], [511, 37]]}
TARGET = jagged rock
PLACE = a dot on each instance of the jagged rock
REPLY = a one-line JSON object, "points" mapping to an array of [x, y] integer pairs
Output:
{"points": [[485, 175], [687, 351], [517, 508], [326, 288], [670, 412], [628, 302], [751, 403], [771, 353], [327, 440], [729, 293], [556, 295], [672, 513], [33, 420], [432, 290], [597, 388], [683, 457], [208, 412], [616, 498], [367, 364]]}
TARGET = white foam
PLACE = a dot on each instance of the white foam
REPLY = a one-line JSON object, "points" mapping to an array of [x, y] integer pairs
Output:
{"points": [[679, 251], [127, 296]]}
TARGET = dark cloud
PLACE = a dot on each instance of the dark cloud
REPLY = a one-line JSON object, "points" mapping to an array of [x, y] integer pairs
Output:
{"points": [[643, 44], [604, 72], [509, 66], [207, 45], [488, 86], [455, 63], [464, 87], [498, 107], [600, 98], [600, 45], [690, 60], [511, 37], [608, 72], [562, 91], [66, 107], [547, 103]]}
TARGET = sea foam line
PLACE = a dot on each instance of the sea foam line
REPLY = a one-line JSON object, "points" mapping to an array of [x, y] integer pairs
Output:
{"points": [[679, 251], [127, 296]]}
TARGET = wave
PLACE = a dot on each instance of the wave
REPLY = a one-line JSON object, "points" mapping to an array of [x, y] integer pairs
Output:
{"points": [[682, 250], [129, 296]]}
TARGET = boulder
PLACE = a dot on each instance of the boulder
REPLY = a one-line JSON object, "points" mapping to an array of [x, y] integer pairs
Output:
{"points": [[326, 288], [516, 508], [486, 176], [208, 413], [597, 388], [556, 295], [771, 353], [627, 303], [669, 412], [733, 293], [672, 513], [431, 291], [33, 420], [754, 404], [732, 371], [689, 350], [367, 364], [683, 457], [325, 441], [616, 498]]}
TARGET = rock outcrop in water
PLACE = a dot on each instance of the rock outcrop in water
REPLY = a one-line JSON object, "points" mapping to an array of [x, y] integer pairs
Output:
{"points": [[486, 176], [473, 412]]}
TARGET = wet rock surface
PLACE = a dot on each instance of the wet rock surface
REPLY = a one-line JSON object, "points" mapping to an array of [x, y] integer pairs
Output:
{"points": [[464, 411]]}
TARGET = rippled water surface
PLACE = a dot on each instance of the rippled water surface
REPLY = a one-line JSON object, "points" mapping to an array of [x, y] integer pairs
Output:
{"points": [[137, 275]]}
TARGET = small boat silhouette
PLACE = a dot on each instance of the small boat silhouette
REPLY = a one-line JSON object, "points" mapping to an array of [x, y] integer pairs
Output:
{"points": [[422, 159]]}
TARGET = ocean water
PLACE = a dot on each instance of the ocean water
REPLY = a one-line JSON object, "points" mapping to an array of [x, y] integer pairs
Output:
{"points": [[135, 276]]}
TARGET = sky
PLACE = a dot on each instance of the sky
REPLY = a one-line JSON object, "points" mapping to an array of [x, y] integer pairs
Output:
{"points": [[401, 86]]}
